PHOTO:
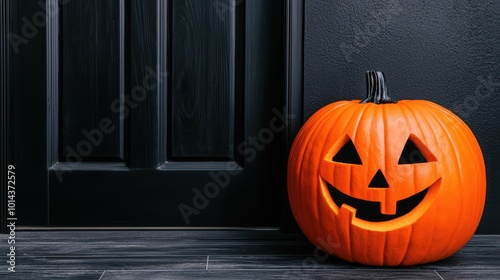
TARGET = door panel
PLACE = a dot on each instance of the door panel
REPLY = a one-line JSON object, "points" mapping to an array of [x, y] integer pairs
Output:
{"points": [[90, 80], [181, 105], [203, 103], [146, 76]]}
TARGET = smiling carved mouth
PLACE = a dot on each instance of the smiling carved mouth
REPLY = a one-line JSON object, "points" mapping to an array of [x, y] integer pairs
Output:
{"points": [[370, 210]]}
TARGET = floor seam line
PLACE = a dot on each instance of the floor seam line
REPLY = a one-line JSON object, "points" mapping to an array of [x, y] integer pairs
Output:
{"points": [[102, 274], [438, 275]]}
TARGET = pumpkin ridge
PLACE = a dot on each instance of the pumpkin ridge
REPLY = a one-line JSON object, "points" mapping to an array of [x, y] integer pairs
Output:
{"points": [[331, 117], [360, 116], [476, 159], [369, 114], [383, 260], [404, 114], [295, 166], [350, 111], [475, 152], [460, 127], [305, 138], [408, 242], [389, 196], [418, 119], [455, 161], [421, 142], [306, 135]]}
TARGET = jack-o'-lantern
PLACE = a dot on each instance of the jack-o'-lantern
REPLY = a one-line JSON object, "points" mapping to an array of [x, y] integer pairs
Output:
{"points": [[380, 182]]}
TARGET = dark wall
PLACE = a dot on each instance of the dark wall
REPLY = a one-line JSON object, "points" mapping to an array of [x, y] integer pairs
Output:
{"points": [[447, 52]]}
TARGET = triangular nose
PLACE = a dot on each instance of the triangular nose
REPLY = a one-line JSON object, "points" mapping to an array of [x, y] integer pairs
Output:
{"points": [[378, 181]]}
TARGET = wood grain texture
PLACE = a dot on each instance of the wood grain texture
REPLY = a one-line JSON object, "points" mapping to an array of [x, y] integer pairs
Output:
{"points": [[203, 78], [5, 117], [90, 80], [28, 104], [142, 111], [136, 193], [53, 79], [54, 274], [135, 197], [216, 254], [117, 262], [469, 274], [263, 83], [273, 274], [294, 77]]}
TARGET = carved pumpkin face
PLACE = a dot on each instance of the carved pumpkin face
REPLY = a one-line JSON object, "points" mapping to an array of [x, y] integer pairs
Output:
{"points": [[386, 184]]}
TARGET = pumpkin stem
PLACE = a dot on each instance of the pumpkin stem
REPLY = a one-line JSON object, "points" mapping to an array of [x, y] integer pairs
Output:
{"points": [[376, 88]]}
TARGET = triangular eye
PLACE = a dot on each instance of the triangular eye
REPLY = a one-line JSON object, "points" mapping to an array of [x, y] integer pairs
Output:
{"points": [[348, 154], [411, 154], [378, 181]]}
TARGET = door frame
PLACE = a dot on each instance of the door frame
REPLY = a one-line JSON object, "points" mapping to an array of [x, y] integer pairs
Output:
{"points": [[11, 12], [293, 91], [5, 114]]}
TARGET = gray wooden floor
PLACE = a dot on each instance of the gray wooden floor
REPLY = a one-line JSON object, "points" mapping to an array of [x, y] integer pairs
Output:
{"points": [[217, 255]]}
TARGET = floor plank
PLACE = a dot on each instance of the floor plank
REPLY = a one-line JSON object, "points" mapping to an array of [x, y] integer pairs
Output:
{"points": [[469, 274], [160, 243], [470, 257], [129, 262], [272, 274], [223, 254], [55, 274], [278, 262]]}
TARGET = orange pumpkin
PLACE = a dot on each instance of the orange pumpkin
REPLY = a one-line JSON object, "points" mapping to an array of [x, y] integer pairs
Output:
{"points": [[380, 182]]}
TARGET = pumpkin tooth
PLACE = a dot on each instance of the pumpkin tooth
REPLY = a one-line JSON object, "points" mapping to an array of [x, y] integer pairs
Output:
{"points": [[347, 211], [388, 206]]}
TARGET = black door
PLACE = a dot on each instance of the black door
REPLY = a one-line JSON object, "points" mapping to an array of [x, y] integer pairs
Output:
{"points": [[149, 113]]}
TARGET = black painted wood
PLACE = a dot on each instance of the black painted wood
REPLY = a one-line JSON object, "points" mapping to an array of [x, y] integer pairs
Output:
{"points": [[90, 81], [266, 274], [5, 68], [243, 192], [294, 77], [142, 111], [27, 104], [204, 71], [163, 78], [262, 147], [53, 78], [155, 197], [48, 274], [144, 189], [217, 254]]}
